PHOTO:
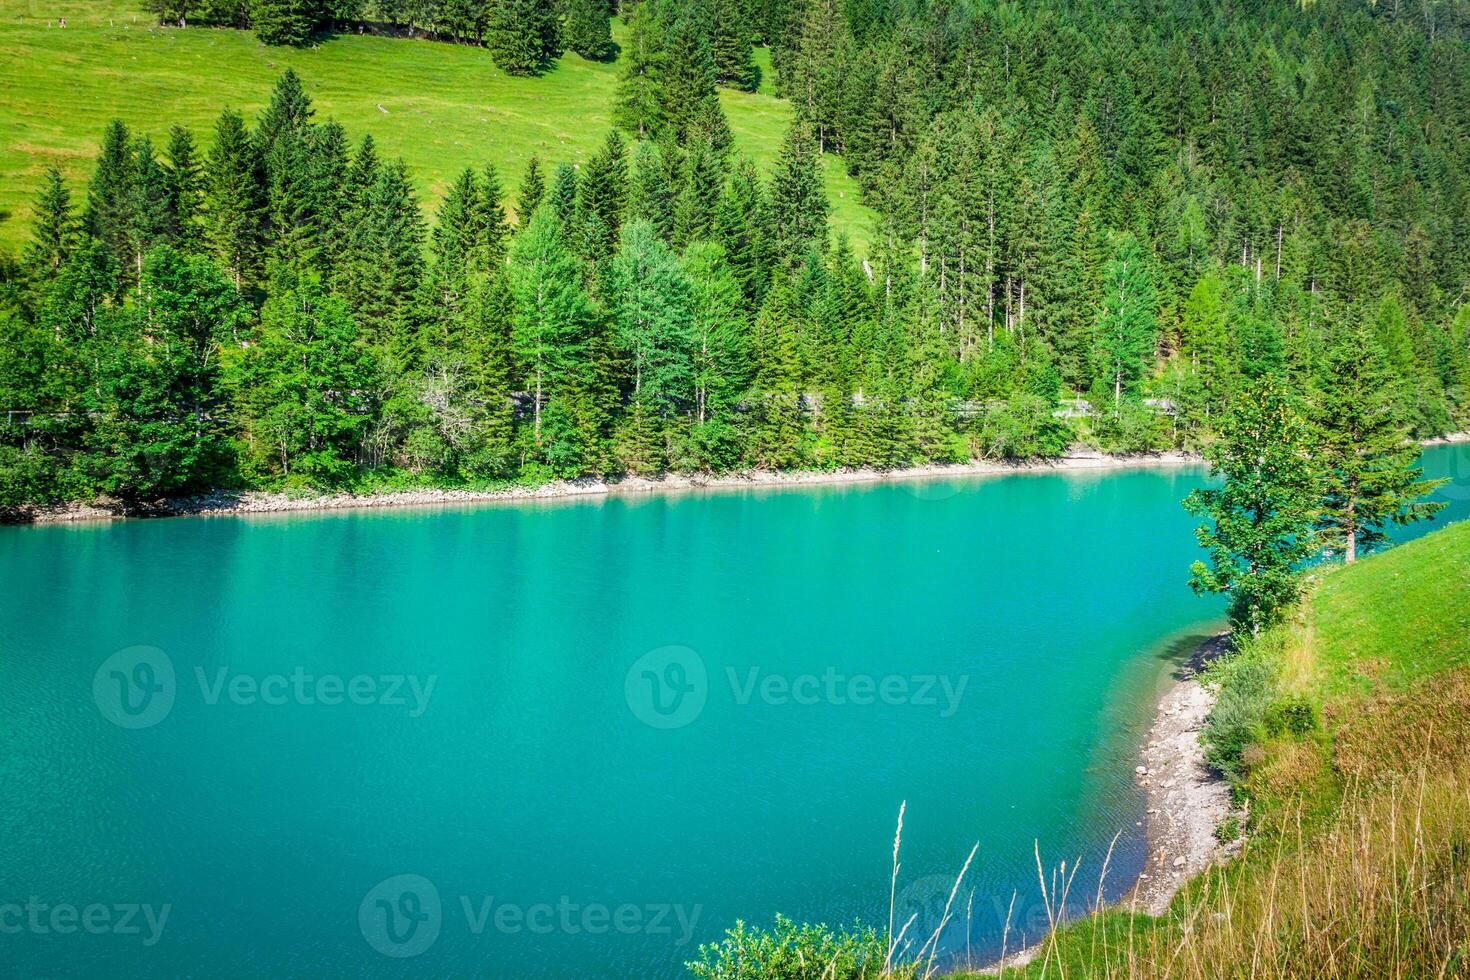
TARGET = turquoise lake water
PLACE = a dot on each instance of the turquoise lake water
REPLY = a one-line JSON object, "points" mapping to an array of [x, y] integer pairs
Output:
{"points": [[577, 739]]}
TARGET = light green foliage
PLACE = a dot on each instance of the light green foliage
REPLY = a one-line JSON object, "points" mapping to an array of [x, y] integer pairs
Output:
{"points": [[1259, 523]]}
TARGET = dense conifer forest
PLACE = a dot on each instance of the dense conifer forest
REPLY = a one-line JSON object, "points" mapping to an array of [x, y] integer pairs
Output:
{"points": [[1095, 222]]}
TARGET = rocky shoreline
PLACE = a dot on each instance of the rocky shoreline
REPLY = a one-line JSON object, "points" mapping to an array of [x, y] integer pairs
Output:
{"points": [[1185, 800], [260, 502]]}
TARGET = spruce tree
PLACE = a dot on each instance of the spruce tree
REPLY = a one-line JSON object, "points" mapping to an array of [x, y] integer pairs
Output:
{"points": [[686, 78], [798, 203], [588, 29], [639, 106], [533, 189], [600, 197], [54, 227], [699, 197], [152, 212], [494, 228], [523, 35], [563, 195], [234, 200], [385, 256], [730, 46], [186, 190], [1368, 461], [289, 112], [650, 198], [111, 200], [285, 21]]}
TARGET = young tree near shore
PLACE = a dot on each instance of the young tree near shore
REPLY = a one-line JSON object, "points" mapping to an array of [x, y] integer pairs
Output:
{"points": [[1367, 458], [1258, 527]]}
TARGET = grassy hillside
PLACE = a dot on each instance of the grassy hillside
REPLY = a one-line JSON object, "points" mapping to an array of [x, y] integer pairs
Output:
{"points": [[440, 106], [1359, 854]]}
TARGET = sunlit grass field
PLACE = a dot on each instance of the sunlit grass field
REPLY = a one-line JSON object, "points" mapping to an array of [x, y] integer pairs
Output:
{"points": [[441, 107]]}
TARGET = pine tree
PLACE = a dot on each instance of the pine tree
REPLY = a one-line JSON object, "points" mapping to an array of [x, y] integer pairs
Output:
{"points": [[289, 113], [687, 77], [650, 198], [588, 29], [234, 200], [798, 203], [111, 199], [1366, 455], [494, 228], [533, 189], [563, 195], [639, 107], [1259, 523], [730, 46], [54, 227], [186, 190], [523, 35], [285, 21]]}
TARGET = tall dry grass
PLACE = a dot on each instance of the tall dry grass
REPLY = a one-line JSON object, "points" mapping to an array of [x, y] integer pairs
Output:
{"points": [[1375, 884]]}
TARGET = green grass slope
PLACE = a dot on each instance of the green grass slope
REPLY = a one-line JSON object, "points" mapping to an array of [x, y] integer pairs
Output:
{"points": [[441, 107]]}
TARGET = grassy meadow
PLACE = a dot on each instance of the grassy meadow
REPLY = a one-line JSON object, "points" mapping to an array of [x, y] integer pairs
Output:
{"points": [[1358, 859], [441, 107]]}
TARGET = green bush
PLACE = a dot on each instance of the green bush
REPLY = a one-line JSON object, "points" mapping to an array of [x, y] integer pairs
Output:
{"points": [[1239, 717], [1292, 715], [797, 952]]}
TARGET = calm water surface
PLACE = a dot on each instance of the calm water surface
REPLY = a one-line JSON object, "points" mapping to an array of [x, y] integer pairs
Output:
{"points": [[576, 739]]}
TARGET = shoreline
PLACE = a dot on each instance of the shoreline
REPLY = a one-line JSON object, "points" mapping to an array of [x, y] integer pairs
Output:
{"points": [[1184, 800], [229, 503]]}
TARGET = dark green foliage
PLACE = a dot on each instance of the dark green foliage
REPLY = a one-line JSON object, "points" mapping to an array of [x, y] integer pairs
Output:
{"points": [[53, 228], [639, 108], [1367, 459], [523, 35], [234, 194], [1164, 211], [533, 189], [798, 204], [588, 30], [285, 21]]}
